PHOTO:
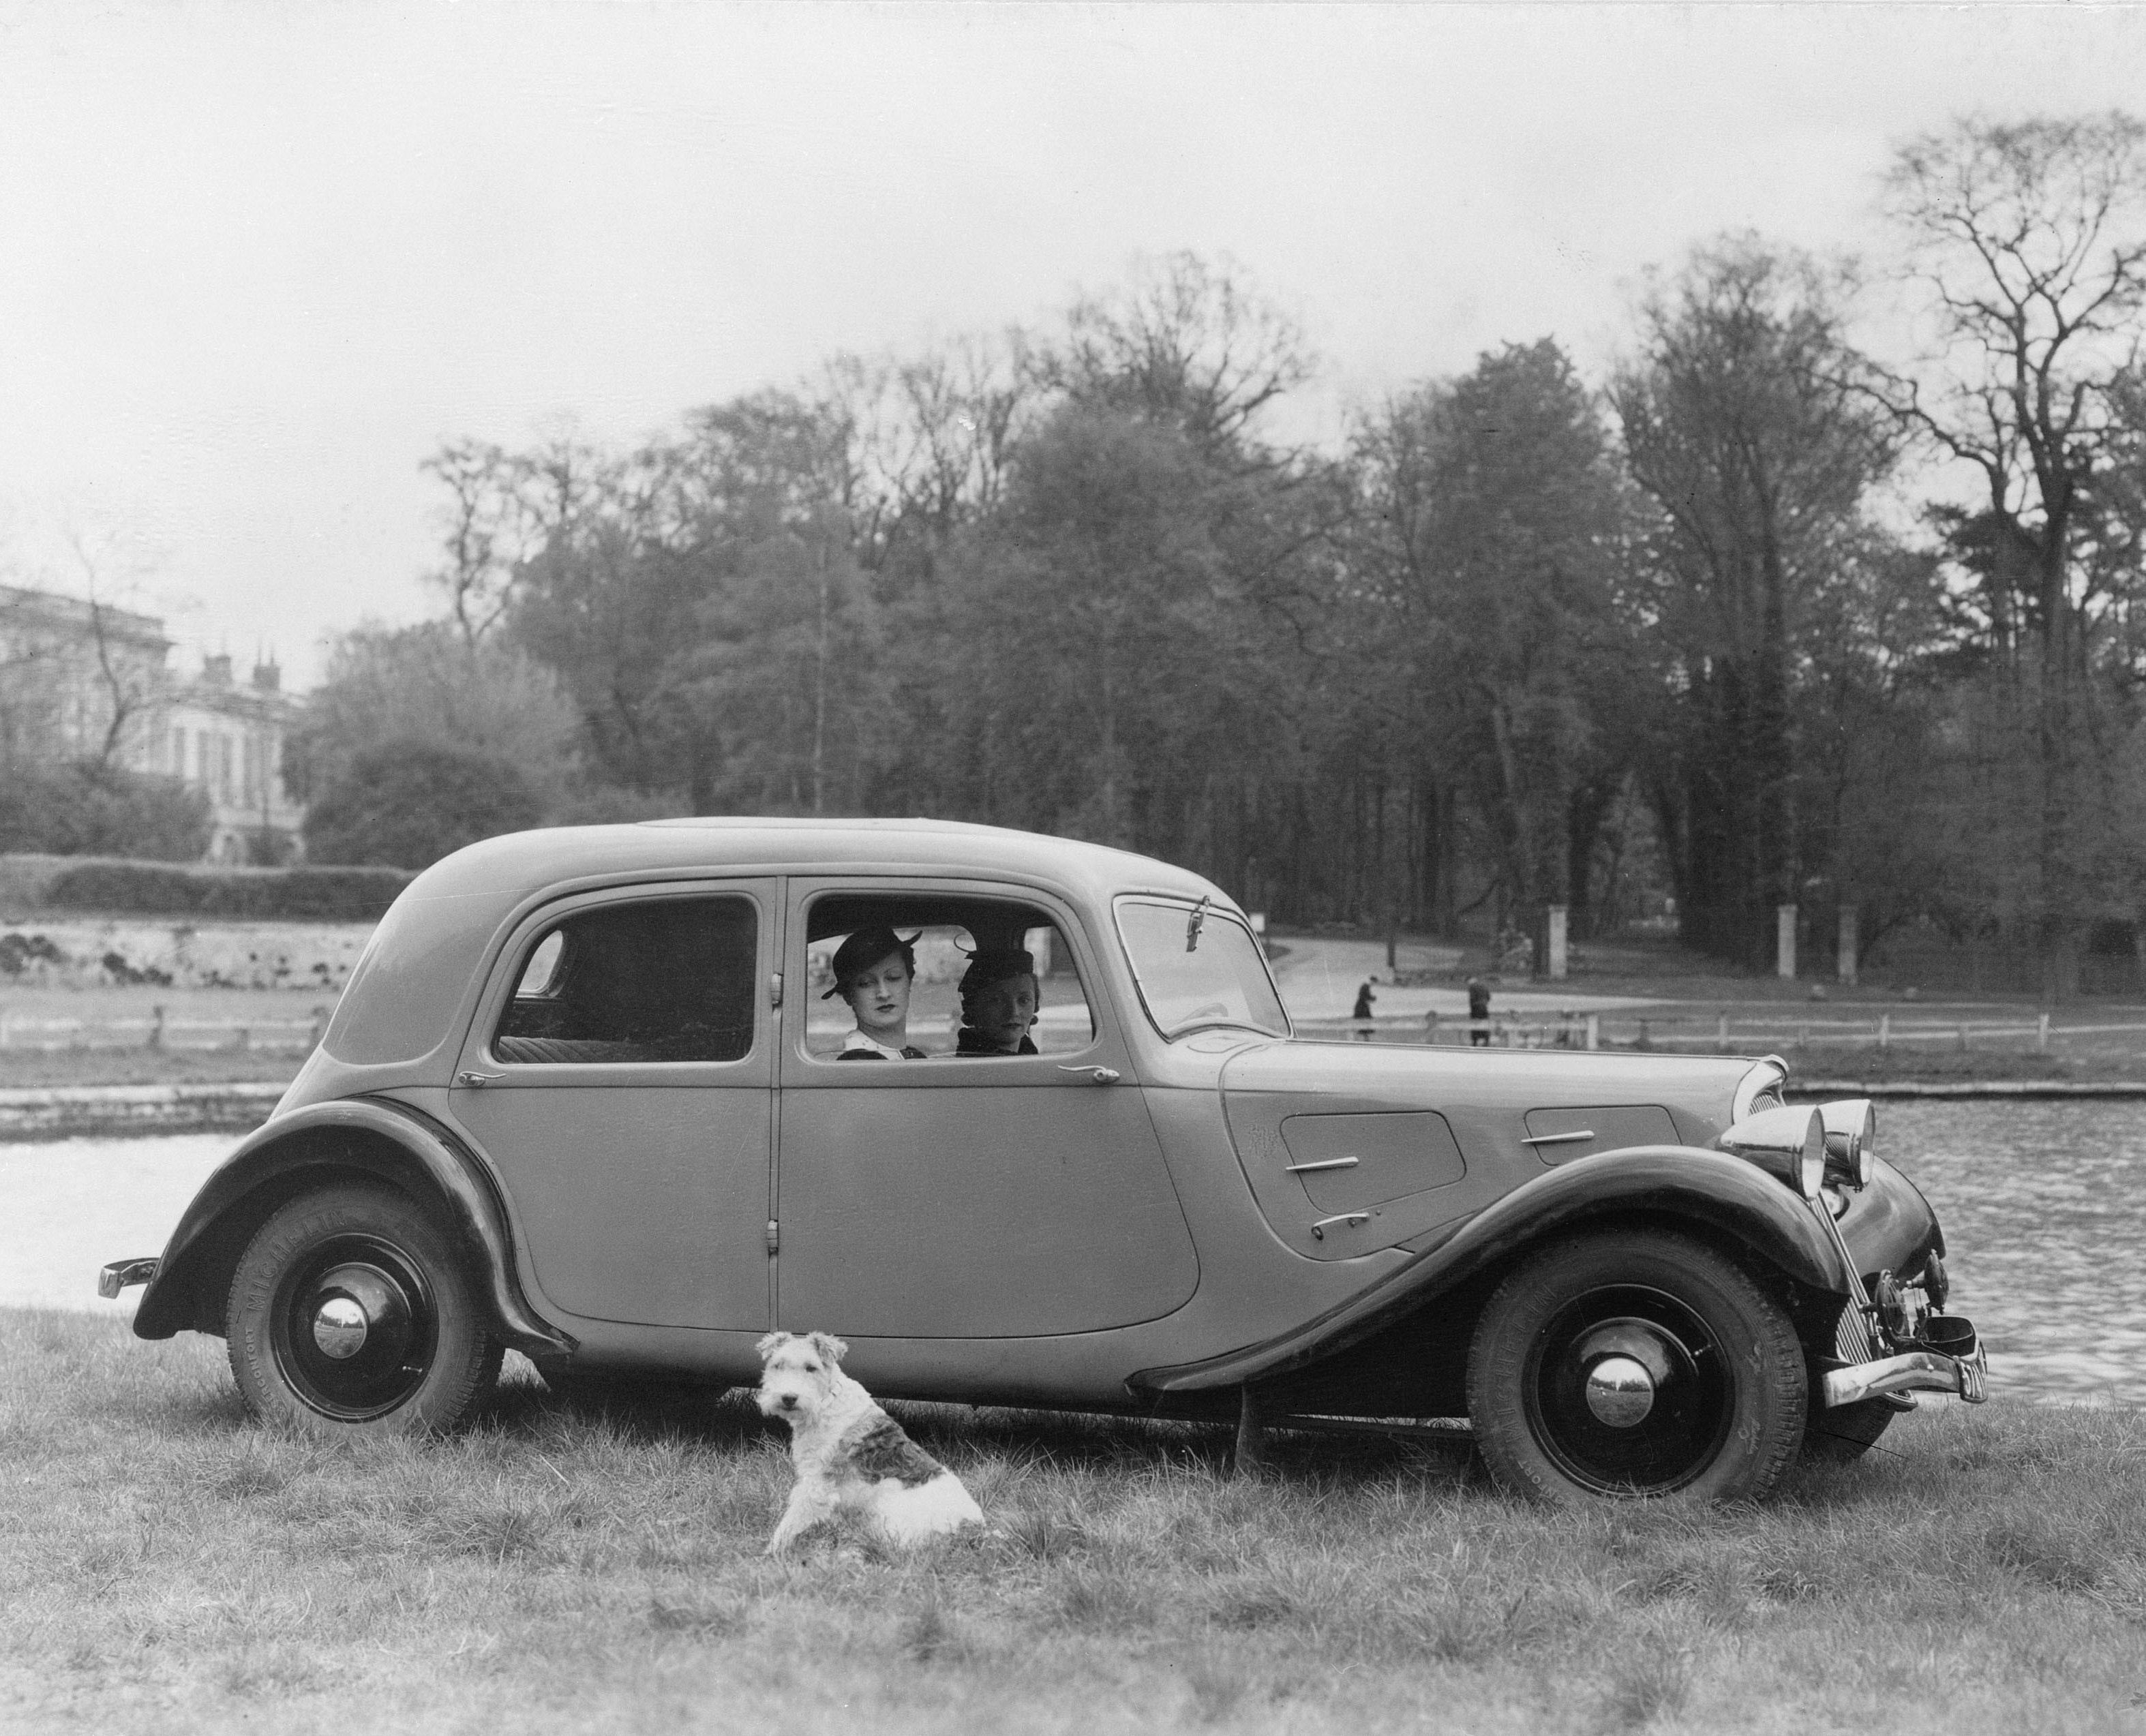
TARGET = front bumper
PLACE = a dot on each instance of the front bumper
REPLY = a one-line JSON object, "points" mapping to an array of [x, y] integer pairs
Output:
{"points": [[1915, 1371], [116, 1277]]}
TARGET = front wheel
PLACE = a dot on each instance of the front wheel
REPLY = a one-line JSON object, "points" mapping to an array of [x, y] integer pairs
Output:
{"points": [[1637, 1364], [349, 1313]]}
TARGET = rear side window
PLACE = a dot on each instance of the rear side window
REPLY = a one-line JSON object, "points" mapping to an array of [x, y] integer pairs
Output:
{"points": [[668, 980]]}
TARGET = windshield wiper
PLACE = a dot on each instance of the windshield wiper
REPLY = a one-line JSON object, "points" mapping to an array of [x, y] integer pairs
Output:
{"points": [[1194, 923]]}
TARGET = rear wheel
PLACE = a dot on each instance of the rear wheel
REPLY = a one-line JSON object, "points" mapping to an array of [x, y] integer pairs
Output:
{"points": [[350, 1312], [1638, 1363]]}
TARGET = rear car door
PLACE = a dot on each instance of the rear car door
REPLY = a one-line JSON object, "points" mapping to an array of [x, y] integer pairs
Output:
{"points": [[619, 1077]]}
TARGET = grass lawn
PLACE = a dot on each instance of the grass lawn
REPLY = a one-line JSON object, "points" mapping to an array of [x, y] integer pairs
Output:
{"points": [[167, 1567]]}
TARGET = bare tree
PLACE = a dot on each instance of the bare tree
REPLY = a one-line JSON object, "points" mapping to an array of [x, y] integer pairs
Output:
{"points": [[2027, 253], [502, 508]]}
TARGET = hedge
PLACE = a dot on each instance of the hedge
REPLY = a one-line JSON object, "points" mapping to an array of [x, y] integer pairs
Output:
{"points": [[160, 889]]}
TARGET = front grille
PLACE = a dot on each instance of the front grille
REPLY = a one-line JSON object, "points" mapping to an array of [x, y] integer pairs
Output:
{"points": [[1851, 1338]]}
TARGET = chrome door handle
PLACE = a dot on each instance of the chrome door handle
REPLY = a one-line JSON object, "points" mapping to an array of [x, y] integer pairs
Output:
{"points": [[1558, 1138], [1096, 1075], [469, 1078], [1325, 1163], [1318, 1230]]}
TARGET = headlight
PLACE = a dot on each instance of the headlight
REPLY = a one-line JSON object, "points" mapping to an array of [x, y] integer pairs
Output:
{"points": [[1851, 1140], [1787, 1143]]}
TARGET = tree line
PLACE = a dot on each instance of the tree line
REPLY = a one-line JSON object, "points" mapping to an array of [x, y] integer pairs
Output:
{"points": [[1768, 616]]}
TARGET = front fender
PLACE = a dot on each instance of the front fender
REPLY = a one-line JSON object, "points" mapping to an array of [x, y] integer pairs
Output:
{"points": [[372, 1136], [1671, 1184]]}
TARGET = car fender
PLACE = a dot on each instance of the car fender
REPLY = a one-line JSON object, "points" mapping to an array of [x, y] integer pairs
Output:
{"points": [[1730, 1196], [367, 1135]]}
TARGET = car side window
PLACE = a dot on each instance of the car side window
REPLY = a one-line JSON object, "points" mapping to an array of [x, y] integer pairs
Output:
{"points": [[656, 980], [944, 951]]}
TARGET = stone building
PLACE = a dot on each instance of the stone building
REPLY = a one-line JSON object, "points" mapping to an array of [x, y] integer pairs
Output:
{"points": [[80, 680]]}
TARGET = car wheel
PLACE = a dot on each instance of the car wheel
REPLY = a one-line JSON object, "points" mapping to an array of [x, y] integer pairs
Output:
{"points": [[1844, 1433], [1638, 1363], [349, 1312]]}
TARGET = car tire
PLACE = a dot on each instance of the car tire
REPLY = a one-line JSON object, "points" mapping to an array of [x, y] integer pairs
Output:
{"points": [[1845, 1433], [1635, 1365], [349, 1314]]}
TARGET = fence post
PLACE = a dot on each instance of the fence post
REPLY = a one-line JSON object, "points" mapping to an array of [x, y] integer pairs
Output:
{"points": [[1784, 940], [1594, 1031], [320, 1026], [1845, 962], [1721, 1033], [1963, 1040], [1884, 1030], [1555, 938], [2042, 1033], [156, 1027], [4, 1027]]}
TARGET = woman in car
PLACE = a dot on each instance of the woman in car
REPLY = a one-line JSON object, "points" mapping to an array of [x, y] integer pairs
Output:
{"points": [[999, 996], [873, 970]]}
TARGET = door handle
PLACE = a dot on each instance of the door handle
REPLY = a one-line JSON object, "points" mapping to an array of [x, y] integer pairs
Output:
{"points": [[1096, 1075], [471, 1078], [1318, 1230]]}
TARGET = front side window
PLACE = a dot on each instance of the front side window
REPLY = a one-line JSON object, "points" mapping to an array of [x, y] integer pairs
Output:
{"points": [[965, 978], [657, 980], [1197, 966]]}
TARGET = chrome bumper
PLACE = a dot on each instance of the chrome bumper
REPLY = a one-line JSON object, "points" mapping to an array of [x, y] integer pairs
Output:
{"points": [[116, 1277], [1918, 1371]]}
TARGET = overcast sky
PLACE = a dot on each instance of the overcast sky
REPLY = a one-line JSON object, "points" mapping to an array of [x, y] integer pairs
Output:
{"points": [[257, 260]]}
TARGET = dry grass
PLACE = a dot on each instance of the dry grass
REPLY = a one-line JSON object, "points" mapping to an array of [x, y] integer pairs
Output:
{"points": [[166, 1567]]}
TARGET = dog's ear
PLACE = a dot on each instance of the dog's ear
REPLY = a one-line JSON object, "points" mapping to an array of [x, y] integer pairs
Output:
{"points": [[773, 1342], [830, 1347]]}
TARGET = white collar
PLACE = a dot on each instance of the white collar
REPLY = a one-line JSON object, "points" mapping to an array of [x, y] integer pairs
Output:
{"points": [[856, 1040]]}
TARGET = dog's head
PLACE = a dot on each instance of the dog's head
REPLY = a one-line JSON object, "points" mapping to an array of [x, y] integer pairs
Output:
{"points": [[798, 1372]]}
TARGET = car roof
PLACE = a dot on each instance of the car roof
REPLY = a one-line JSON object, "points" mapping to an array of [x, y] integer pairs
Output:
{"points": [[525, 863]]}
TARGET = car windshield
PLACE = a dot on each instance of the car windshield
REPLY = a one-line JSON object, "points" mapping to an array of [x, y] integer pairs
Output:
{"points": [[1197, 966]]}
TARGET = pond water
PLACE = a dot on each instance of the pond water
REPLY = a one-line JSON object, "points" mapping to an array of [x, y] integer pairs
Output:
{"points": [[2043, 1206]]}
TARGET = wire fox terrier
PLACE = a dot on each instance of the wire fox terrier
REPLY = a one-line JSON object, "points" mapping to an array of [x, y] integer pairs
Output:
{"points": [[848, 1452]]}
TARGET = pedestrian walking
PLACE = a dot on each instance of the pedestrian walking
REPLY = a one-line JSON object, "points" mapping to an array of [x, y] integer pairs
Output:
{"points": [[1478, 1012], [1362, 1009]]}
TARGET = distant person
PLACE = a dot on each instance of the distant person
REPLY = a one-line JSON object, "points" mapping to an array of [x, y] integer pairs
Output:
{"points": [[1362, 1009], [1478, 1012], [873, 971], [999, 996]]}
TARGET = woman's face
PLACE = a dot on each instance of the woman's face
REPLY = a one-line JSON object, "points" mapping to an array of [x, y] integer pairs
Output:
{"points": [[1003, 1012], [879, 995]]}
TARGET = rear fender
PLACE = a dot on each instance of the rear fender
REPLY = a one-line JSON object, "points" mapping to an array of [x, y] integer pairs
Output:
{"points": [[309, 1148], [1729, 1199]]}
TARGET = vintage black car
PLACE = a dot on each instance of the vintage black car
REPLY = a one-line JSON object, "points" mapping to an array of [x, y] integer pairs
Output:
{"points": [[583, 1098]]}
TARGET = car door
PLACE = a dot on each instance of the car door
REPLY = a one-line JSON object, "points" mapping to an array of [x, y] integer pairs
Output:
{"points": [[619, 1078], [963, 1197]]}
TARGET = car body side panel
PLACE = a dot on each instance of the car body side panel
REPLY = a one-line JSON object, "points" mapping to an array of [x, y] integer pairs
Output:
{"points": [[1726, 1195], [345, 1136]]}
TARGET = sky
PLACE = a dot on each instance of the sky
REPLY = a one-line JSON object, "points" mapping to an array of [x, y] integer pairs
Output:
{"points": [[258, 260]]}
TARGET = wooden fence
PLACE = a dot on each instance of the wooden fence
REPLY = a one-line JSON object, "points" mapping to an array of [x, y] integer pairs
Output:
{"points": [[1719, 1035]]}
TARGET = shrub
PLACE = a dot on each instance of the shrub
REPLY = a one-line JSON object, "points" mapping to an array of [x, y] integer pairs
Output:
{"points": [[409, 803], [329, 894], [91, 809]]}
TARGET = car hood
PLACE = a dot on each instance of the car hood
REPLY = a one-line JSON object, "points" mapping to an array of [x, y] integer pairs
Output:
{"points": [[1368, 1077], [1351, 1148]]}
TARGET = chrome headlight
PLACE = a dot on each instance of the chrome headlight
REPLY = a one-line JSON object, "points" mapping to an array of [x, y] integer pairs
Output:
{"points": [[1786, 1143], [1851, 1140]]}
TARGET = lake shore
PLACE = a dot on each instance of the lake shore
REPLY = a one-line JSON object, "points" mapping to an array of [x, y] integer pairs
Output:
{"points": [[168, 1566]]}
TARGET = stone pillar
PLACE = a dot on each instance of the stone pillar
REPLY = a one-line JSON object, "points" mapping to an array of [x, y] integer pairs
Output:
{"points": [[1784, 928], [1846, 961], [1557, 946]]}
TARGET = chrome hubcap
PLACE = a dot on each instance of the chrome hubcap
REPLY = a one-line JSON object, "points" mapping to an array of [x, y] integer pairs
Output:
{"points": [[1619, 1392], [340, 1327]]}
